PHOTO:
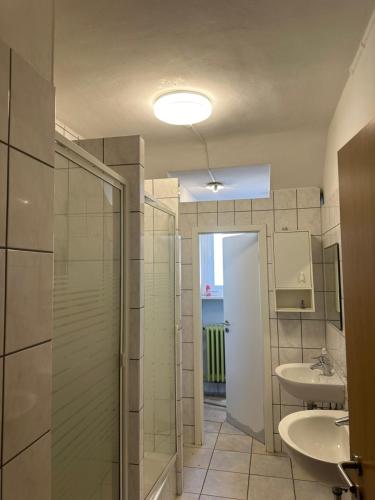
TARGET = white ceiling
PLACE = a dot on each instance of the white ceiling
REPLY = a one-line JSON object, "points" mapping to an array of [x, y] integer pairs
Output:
{"points": [[269, 66], [239, 183]]}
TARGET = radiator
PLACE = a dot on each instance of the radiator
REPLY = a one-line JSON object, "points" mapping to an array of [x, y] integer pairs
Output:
{"points": [[215, 353]]}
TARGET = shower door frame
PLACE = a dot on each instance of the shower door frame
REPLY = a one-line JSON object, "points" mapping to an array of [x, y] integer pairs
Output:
{"points": [[156, 490], [90, 163], [260, 230]]}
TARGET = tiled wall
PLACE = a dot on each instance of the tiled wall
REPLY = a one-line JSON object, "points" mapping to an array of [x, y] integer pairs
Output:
{"points": [[26, 266], [331, 230], [295, 337]]}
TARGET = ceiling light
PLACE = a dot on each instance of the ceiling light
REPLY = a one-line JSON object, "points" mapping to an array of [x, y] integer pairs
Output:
{"points": [[182, 108], [215, 186]]}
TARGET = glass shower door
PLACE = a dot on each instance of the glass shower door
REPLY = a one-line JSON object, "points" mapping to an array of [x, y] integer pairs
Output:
{"points": [[87, 336], [159, 350]]}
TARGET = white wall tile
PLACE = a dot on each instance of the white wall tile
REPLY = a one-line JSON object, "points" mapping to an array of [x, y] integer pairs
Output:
{"points": [[309, 219], [4, 90], [225, 206], [187, 222], [26, 372], [263, 203], [207, 206], [30, 203], [225, 219], [264, 217], [32, 112], [290, 355], [289, 333], [189, 207], [3, 188], [308, 197], [313, 333], [188, 356], [242, 218], [207, 218], [29, 299], [285, 220], [125, 150], [242, 205], [285, 198]]}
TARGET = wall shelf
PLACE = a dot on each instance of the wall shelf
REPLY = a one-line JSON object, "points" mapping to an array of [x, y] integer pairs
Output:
{"points": [[293, 272]]}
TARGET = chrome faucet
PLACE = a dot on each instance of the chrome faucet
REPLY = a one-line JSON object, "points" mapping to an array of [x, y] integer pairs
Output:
{"points": [[342, 421], [324, 363]]}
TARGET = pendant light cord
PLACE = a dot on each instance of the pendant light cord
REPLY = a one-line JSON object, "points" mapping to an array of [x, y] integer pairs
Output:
{"points": [[204, 142]]}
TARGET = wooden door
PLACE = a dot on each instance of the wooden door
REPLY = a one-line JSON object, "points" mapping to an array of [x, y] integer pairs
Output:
{"points": [[357, 205]]}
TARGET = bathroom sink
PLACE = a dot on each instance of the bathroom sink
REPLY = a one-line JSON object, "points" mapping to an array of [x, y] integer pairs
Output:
{"points": [[310, 385], [316, 444]]}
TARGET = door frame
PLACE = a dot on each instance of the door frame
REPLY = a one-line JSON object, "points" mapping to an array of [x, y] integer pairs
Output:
{"points": [[197, 327]]}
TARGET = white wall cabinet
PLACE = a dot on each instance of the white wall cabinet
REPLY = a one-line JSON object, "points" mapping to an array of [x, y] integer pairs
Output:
{"points": [[293, 273]]}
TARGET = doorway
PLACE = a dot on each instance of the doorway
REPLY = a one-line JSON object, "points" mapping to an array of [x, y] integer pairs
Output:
{"points": [[231, 329]]}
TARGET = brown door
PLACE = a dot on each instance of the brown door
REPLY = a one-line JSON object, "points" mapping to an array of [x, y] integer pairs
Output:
{"points": [[357, 205]]}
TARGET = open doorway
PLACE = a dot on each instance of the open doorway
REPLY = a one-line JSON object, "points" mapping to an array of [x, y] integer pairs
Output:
{"points": [[232, 329]]}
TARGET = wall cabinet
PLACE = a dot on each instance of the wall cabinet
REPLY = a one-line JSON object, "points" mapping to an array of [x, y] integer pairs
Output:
{"points": [[293, 273]]}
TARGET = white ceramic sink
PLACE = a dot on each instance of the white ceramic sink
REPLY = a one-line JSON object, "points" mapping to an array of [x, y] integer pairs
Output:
{"points": [[316, 444], [310, 385]]}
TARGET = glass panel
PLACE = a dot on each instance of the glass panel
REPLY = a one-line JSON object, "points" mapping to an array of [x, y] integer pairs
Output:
{"points": [[86, 338], [159, 356]]}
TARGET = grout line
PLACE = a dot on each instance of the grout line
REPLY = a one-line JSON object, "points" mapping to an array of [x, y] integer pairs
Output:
{"points": [[14, 148], [27, 447], [5, 272]]}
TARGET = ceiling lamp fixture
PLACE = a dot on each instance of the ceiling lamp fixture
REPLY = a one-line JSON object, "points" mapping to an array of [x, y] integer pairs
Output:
{"points": [[182, 108], [215, 186]]}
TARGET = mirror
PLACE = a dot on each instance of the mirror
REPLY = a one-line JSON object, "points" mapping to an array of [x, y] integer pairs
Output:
{"points": [[332, 285]]}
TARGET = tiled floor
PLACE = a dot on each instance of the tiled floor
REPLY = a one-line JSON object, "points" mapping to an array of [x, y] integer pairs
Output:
{"points": [[232, 466]]}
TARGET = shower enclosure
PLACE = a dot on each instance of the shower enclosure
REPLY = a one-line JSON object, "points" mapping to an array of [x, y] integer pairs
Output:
{"points": [[160, 344], [88, 328]]}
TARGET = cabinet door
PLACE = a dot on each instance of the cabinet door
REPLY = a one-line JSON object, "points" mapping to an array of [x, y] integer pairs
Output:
{"points": [[292, 258]]}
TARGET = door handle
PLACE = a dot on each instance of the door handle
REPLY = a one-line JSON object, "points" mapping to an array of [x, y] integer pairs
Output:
{"points": [[226, 326], [354, 464]]}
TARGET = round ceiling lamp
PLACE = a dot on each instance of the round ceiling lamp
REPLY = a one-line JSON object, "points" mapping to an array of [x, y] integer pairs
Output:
{"points": [[182, 108], [215, 186]]}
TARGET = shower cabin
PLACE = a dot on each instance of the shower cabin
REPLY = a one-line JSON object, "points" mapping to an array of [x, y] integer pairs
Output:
{"points": [[94, 378]]}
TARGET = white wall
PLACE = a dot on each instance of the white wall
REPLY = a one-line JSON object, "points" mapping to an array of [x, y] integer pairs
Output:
{"points": [[296, 156], [355, 109], [27, 26]]}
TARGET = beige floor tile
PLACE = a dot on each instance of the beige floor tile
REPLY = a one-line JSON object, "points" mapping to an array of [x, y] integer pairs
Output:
{"points": [[270, 465], [197, 457], [308, 490], [228, 428], [193, 479], [209, 497], [227, 484], [259, 448], [270, 487], [230, 461], [214, 415], [212, 426], [300, 473], [231, 442], [210, 439], [188, 496]]}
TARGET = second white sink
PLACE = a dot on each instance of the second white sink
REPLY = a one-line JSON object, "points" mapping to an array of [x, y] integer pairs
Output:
{"points": [[316, 444], [310, 385]]}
